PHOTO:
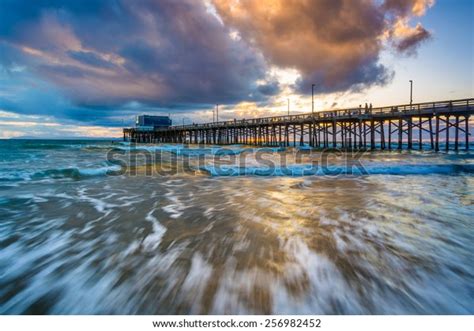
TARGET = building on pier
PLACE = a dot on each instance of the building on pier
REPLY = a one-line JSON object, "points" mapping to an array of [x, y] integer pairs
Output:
{"points": [[151, 122]]}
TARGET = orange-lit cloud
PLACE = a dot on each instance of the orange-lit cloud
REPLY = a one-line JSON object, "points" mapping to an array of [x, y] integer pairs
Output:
{"points": [[335, 44], [408, 7], [406, 38]]}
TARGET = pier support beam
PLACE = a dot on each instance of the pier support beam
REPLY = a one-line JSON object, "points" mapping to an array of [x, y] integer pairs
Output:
{"points": [[467, 133]]}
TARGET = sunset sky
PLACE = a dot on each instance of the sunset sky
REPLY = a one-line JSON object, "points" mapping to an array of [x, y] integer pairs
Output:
{"points": [[86, 68]]}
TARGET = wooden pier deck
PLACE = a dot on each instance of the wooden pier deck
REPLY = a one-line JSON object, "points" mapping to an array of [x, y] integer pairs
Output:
{"points": [[402, 126]]}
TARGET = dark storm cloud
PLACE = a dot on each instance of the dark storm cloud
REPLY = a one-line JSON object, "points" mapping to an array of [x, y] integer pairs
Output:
{"points": [[112, 52], [270, 88]]}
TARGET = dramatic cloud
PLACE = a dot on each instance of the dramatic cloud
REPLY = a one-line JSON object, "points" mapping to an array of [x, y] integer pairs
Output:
{"points": [[112, 52], [96, 60], [406, 38], [333, 43]]}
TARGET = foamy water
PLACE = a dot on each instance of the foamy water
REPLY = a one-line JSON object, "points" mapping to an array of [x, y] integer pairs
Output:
{"points": [[233, 230]]}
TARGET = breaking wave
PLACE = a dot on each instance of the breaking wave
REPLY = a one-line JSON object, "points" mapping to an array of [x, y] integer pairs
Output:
{"points": [[299, 170], [77, 173]]}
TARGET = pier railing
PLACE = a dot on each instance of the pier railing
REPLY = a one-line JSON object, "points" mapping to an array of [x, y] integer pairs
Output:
{"points": [[398, 110]]}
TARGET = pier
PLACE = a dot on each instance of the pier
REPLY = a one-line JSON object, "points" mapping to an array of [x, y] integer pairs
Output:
{"points": [[394, 127]]}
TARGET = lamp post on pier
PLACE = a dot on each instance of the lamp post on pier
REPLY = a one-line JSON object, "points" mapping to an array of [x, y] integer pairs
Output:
{"points": [[288, 106], [411, 93], [312, 97], [217, 112]]}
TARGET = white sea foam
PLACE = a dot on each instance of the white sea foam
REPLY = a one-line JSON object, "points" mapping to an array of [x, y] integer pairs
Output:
{"points": [[101, 205], [153, 240], [196, 281], [176, 207], [102, 171]]}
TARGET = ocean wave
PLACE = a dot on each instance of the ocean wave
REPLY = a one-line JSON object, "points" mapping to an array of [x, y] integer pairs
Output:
{"points": [[99, 148], [45, 145], [301, 170], [59, 145], [183, 150], [77, 173], [13, 177]]}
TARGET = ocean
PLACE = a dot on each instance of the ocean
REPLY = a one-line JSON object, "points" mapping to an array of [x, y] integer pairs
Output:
{"points": [[105, 227]]}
